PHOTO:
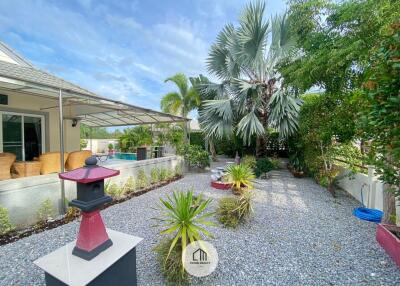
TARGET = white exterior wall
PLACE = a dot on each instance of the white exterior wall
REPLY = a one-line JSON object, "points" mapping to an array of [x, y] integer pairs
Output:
{"points": [[22, 197], [372, 190], [99, 145], [24, 103]]}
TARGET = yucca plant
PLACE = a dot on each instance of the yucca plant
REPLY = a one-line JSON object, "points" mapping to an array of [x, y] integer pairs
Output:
{"points": [[182, 215], [241, 177]]}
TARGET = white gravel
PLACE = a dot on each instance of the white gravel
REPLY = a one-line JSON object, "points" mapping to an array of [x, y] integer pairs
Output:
{"points": [[299, 235]]}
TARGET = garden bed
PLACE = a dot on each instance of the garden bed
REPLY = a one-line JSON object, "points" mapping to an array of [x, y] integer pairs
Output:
{"points": [[17, 234]]}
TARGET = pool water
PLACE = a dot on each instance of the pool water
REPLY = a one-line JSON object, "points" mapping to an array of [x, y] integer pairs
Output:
{"points": [[124, 156]]}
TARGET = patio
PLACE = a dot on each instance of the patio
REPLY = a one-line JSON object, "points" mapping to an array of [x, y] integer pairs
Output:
{"points": [[299, 235]]}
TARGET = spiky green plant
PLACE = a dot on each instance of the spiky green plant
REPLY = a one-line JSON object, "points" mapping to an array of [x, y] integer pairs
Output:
{"points": [[163, 174], [240, 176], [183, 216], [155, 175], [233, 210], [250, 161], [142, 181], [5, 224], [46, 211]]}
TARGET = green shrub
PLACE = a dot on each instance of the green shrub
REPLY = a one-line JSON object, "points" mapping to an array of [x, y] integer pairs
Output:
{"points": [[129, 186], [142, 180], [113, 190], [163, 174], [233, 210], [110, 146], [196, 156], [263, 165], [170, 174], [250, 161], [171, 262], [5, 224], [240, 176], [178, 170], [183, 217], [46, 211], [275, 163], [154, 175]]}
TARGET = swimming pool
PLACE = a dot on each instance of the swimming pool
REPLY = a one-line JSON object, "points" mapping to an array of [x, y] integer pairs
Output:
{"points": [[124, 156]]}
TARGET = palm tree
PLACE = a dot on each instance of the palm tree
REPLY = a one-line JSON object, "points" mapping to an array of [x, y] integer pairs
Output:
{"points": [[250, 97], [182, 101]]}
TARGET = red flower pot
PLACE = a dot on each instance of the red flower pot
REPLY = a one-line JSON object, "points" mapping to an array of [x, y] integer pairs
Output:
{"points": [[221, 185], [389, 242]]}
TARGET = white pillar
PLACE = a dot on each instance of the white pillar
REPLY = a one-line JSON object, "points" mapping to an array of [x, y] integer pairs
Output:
{"points": [[61, 127]]}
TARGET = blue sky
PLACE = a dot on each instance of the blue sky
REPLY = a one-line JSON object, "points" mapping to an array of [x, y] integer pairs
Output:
{"points": [[119, 49]]}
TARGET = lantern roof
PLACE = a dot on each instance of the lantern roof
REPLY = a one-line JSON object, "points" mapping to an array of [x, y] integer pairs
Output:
{"points": [[89, 173]]}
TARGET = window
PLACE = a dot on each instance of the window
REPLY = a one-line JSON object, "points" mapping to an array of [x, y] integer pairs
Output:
{"points": [[22, 134]]}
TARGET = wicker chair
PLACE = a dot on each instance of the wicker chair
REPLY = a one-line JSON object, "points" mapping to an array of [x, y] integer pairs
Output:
{"points": [[50, 162], [6, 161], [77, 159]]}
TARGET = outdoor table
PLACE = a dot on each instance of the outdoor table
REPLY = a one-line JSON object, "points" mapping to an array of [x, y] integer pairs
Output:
{"points": [[26, 169]]}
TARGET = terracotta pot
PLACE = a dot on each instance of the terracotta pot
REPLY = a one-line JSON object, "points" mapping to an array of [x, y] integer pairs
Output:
{"points": [[298, 174], [389, 242]]}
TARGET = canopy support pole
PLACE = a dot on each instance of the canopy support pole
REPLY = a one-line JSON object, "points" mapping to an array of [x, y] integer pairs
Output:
{"points": [[61, 125]]}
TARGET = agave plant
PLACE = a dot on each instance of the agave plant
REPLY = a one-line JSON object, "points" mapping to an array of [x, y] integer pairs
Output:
{"points": [[183, 216], [241, 177], [250, 97]]}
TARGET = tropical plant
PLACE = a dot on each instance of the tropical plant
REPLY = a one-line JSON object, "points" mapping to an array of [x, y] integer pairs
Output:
{"points": [[129, 185], [110, 146], [250, 96], [181, 102], [241, 177], [275, 162], [46, 211], [178, 169], [171, 261], [233, 210], [263, 166], [142, 181], [381, 119], [182, 216], [135, 137], [154, 175], [250, 161], [196, 156], [113, 190], [334, 40], [83, 144], [163, 174], [5, 224]]}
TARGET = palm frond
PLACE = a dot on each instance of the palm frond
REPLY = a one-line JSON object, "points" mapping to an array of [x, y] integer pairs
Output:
{"points": [[284, 112], [250, 125], [172, 103], [181, 82], [216, 118]]}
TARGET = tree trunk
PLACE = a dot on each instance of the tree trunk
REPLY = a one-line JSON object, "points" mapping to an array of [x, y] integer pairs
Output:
{"points": [[389, 206], [261, 147], [212, 150]]}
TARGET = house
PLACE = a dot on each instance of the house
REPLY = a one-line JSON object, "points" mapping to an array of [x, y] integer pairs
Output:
{"points": [[40, 113]]}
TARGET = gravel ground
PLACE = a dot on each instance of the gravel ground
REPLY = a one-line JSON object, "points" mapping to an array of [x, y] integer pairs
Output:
{"points": [[299, 235]]}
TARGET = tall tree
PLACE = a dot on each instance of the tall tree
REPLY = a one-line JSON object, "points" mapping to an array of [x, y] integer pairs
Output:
{"points": [[180, 102], [250, 98]]}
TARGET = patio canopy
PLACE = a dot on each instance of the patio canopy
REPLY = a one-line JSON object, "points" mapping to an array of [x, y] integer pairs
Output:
{"points": [[89, 108]]}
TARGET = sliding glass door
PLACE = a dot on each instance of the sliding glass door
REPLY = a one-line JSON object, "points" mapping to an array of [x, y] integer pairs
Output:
{"points": [[22, 134]]}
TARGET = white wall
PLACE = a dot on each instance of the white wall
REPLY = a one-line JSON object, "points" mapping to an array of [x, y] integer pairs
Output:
{"points": [[22, 197], [372, 189], [99, 145]]}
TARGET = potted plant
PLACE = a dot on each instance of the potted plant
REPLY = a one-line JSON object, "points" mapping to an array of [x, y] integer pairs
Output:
{"points": [[110, 149], [388, 236], [241, 177]]}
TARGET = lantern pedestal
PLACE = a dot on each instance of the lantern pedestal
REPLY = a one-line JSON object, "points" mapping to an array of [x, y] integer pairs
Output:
{"points": [[115, 266]]}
